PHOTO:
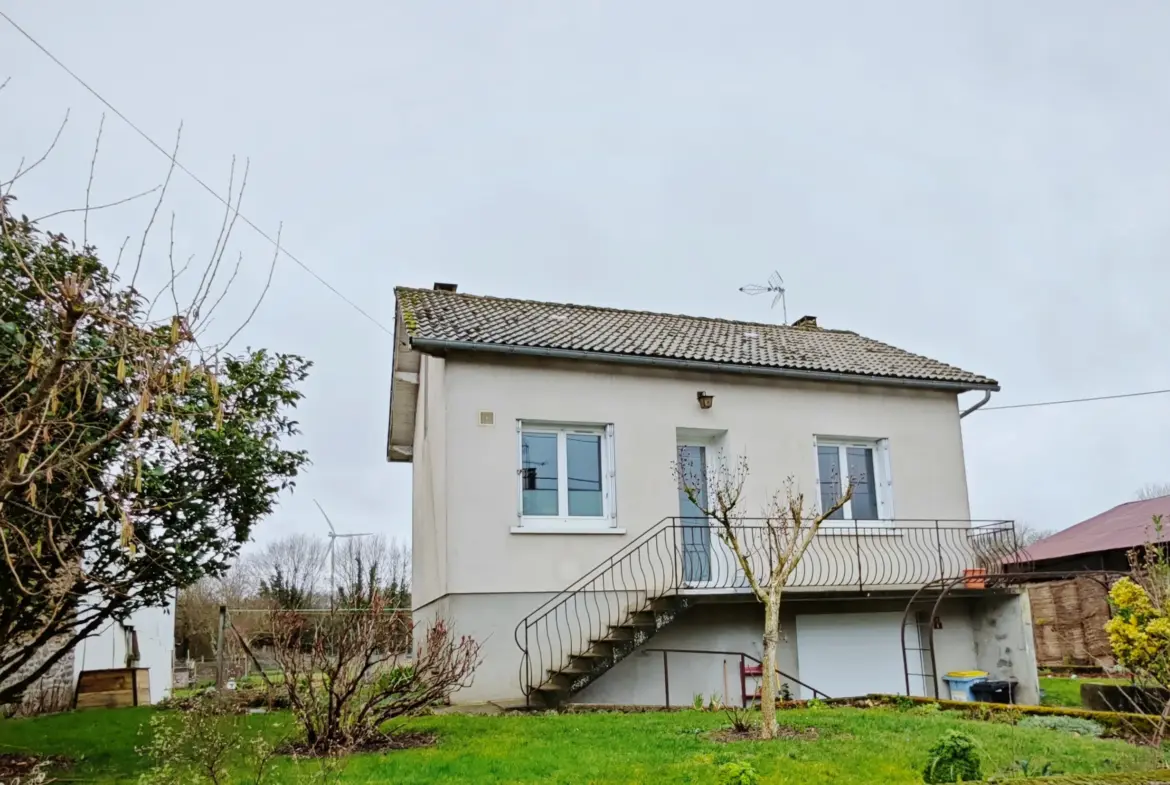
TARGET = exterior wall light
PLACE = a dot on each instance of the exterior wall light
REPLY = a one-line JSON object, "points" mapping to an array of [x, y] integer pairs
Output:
{"points": [[706, 400]]}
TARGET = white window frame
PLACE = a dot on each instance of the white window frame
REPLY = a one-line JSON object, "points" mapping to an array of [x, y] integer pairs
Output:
{"points": [[563, 523], [883, 482]]}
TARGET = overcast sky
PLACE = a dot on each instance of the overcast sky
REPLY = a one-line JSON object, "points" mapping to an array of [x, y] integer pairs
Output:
{"points": [[982, 182]]}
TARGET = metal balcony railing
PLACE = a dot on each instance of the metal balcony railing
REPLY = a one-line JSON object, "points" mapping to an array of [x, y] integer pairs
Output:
{"points": [[678, 557]]}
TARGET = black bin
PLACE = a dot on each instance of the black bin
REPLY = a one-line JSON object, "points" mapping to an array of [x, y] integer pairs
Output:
{"points": [[994, 691]]}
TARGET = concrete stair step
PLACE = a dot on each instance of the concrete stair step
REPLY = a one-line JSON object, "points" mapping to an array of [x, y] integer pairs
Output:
{"points": [[570, 671], [616, 635], [593, 655], [607, 650], [634, 623]]}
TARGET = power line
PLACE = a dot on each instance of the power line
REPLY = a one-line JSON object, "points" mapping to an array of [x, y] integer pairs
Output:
{"points": [[191, 174], [1075, 400], [350, 302]]}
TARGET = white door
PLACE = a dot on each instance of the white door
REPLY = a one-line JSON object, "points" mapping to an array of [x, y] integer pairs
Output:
{"points": [[846, 655]]}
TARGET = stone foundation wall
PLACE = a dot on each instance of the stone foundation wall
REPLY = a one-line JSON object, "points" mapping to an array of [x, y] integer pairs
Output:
{"points": [[51, 692]]}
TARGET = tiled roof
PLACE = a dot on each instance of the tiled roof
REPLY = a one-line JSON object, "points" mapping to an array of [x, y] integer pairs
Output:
{"points": [[434, 315], [1128, 525]]}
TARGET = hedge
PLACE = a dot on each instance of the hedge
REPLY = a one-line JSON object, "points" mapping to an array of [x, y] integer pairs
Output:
{"points": [[1119, 723]]}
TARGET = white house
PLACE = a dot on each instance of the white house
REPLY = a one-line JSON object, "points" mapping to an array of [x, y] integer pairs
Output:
{"points": [[548, 521]]}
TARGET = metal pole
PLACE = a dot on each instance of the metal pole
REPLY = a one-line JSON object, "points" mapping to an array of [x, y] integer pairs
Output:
{"points": [[666, 677], [219, 675], [743, 693]]}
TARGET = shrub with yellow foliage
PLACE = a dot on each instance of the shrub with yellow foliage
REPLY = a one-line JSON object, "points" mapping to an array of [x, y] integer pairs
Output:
{"points": [[1139, 632]]}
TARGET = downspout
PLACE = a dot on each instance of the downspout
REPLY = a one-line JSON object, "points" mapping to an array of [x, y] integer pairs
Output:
{"points": [[980, 405]]}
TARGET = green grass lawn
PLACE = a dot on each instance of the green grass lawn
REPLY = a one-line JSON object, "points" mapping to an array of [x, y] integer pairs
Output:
{"points": [[1067, 692], [852, 746]]}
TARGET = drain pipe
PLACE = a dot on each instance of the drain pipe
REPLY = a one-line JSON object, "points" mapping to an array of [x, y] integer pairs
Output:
{"points": [[980, 405]]}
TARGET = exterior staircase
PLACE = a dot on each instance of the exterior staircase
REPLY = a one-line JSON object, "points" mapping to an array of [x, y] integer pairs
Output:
{"points": [[615, 608], [609, 648]]}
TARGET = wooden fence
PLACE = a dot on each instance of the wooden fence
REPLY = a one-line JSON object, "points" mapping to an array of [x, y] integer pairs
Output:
{"points": [[1068, 623]]}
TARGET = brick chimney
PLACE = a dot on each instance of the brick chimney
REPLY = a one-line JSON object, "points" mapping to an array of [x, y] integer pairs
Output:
{"points": [[809, 322]]}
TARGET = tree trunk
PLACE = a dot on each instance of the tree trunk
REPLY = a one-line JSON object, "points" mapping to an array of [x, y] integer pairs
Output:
{"points": [[768, 677]]}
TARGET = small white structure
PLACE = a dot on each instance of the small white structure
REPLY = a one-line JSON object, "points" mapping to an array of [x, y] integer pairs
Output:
{"points": [[548, 524], [145, 640]]}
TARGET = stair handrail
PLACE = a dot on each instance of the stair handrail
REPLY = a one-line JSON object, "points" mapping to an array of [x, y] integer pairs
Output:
{"points": [[608, 561], [947, 555], [743, 655], [576, 587]]}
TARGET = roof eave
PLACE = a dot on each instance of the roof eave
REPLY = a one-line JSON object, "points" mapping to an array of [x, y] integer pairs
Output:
{"points": [[434, 346], [404, 387]]}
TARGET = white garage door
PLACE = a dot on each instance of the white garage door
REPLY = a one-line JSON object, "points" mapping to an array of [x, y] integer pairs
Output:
{"points": [[850, 654]]}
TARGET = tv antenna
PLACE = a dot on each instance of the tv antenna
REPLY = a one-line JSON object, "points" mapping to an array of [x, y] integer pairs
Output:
{"points": [[333, 535], [775, 286]]}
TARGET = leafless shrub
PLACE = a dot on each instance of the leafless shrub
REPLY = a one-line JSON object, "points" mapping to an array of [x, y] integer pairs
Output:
{"points": [[209, 745], [343, 675], [41, 699], [740, 718]]}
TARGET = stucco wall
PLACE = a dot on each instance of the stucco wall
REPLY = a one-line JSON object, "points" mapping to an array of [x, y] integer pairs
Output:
{"points": [[1004, 643], [725, 626], [429, 494], [490, 619], [772, 422], [737, 627]]}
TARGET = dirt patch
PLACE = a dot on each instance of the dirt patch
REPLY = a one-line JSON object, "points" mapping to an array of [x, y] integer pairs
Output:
{"points": [[403, 740], [727, 735], [241, 701], [14, 768]]}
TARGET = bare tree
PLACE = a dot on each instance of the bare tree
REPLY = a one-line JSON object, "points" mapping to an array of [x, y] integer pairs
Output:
{"points": [[1028, 535], [1152, 490], [767, 563], [372, 564], [197, 607], [289, 571]]}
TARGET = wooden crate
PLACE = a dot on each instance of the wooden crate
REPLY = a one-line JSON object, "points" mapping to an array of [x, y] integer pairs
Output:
{"points": [[113, 688]]}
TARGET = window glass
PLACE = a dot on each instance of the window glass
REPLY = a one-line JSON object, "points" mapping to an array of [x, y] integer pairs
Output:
{"points": [[583, 456], [539, 473], [864, 503], [829, 471]]}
